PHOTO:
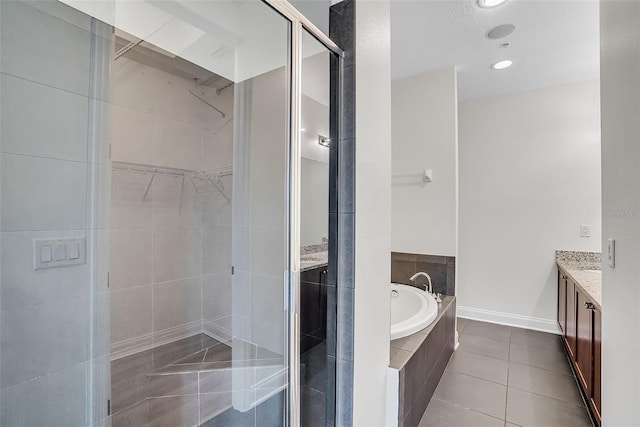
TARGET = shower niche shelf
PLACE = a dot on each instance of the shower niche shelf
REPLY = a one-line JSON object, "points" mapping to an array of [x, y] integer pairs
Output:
{"points": [[137, 182]]}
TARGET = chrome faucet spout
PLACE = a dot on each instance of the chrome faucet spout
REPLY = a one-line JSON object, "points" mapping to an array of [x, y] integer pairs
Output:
{"points": [[429, 287]]}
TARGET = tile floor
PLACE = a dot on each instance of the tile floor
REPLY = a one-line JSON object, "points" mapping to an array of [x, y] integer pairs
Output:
{"points": [[504, 376], [188, 382]]}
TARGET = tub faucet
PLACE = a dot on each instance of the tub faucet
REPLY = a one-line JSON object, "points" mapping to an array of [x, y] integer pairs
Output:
{"points": [[428, 287]]}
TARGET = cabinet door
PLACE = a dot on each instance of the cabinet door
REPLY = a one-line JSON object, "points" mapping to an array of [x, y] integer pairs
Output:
{"points": [[584, 355], [570, 331], [562, 301], [597, 354]]}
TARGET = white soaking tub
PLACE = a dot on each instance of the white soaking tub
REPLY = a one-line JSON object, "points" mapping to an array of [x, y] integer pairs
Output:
{"points": [[412, 310]]}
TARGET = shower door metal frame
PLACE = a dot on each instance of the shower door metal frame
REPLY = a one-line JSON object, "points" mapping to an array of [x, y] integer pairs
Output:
{"points": [[299, 23]]}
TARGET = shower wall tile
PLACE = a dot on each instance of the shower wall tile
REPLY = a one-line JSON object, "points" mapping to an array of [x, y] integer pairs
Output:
{"points": [[101, 346], [35, 120], [57, 399], [268, 254], [177, 253], [176, 303], [61, 59], [132, 135], [173, 411], [21, 285], [223, 101], [440, 268], [131, 262], [216, 210], [98, 209], [62, 11], [42, 194], [348, 124], [178, 144], [43, 338], [341, 30], [175, 202], [216, 247], [174, 100], [346, 252], [267, 315], [135, 85], [131, 312], [216, 296], [129, 214], [346, 184], [218, 143]]}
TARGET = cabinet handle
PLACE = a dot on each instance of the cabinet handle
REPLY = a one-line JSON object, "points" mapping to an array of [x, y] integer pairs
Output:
{"points": [[589, 306], [564, 277]]}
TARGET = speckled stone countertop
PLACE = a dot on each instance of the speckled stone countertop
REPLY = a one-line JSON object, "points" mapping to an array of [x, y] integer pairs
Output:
{"points": [[583, 268], [309, 261]]}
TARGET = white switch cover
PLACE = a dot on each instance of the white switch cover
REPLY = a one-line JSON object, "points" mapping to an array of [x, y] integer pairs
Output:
{"points": [[45, 253], [74, 250], [52, 253], [60, 252], [585, 231], [611, 255]]}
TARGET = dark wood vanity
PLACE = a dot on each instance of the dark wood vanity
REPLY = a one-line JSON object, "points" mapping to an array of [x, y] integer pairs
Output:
{"points": [[580, 322]]}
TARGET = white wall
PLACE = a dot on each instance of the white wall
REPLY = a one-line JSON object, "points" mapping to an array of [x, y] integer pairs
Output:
{"points": [[529, 177], [620, 87], [314, 198], [373, 209], [424, 136]]}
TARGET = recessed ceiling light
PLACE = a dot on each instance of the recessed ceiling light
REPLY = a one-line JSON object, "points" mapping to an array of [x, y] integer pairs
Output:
{"points": [[501, 65], [488, 4]]}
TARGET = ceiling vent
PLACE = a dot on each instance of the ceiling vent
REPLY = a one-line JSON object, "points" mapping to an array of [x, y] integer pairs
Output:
{"points": [[500, 31]]}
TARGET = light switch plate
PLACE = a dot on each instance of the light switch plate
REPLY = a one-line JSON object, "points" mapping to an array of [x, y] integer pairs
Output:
{"points": [[53, 253]]}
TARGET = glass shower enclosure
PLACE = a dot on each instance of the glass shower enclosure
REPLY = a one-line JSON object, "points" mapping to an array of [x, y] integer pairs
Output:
{"points": [[150, 212]]}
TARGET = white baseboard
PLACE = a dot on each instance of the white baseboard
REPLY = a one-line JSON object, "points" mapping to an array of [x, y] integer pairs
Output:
{"points": [[526, 322]]}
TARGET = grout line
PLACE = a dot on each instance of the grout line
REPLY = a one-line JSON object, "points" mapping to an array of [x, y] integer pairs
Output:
{"points": [[506, 393], [465, 408], [544, 369]]}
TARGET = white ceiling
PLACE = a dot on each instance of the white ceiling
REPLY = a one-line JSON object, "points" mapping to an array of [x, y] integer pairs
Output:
{"points": [[555, 42]]}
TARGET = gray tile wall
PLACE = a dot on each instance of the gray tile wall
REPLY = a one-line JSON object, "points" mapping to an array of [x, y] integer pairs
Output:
{"points": [[339, 408], [422, 372], [53, 61], [442, 270]]}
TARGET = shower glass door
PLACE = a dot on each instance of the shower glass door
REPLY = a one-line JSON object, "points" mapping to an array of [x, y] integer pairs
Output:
{"points": [[145, 191]]}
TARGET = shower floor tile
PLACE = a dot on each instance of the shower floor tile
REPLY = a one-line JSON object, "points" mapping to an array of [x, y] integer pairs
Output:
{"points": [[162, 386]]}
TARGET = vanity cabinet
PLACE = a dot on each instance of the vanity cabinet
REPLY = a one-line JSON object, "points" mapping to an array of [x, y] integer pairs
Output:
{"points": [[570, 330], [584, 345], [562, 302], [580, 323]]}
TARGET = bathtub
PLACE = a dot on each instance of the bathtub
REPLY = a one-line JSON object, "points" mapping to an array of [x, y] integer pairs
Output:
{"points": [[412, 310]]}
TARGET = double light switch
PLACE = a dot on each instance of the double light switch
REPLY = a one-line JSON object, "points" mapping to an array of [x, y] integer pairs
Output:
{"points": [[58, 252]]}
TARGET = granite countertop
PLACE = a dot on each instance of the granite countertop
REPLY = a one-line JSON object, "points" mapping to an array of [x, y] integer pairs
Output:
{"points": [[313, 260], [583, 268]]}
